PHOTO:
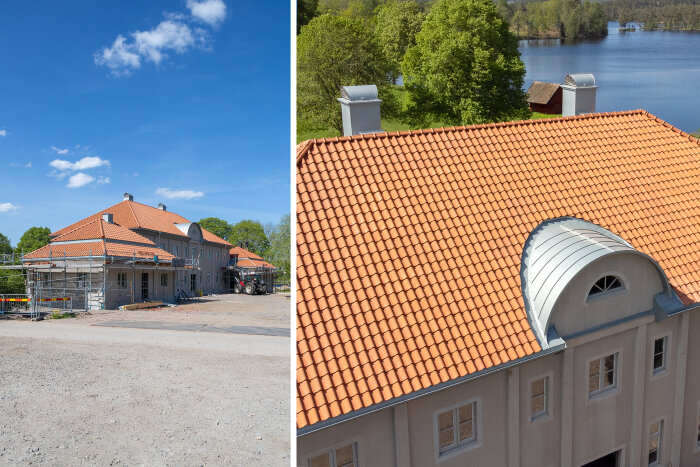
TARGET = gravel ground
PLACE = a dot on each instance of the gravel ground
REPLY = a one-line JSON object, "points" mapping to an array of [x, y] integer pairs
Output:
{"points": [[75, 394]]}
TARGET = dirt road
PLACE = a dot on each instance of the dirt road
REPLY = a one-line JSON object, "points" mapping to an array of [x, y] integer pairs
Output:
{"points": [[72, 393]]}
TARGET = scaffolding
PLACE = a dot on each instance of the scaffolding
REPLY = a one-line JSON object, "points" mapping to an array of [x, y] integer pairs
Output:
{"points": [[62, 283]]}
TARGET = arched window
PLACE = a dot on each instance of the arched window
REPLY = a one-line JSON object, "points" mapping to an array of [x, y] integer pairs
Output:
{"points": [[605, 284]]}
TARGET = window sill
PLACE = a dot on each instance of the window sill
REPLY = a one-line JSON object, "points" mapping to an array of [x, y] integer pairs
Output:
{"points": [[603, 394], [454, 452]]}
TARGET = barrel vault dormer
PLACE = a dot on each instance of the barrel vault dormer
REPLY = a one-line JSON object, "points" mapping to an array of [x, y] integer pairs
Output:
{"points": [[578, 277]]}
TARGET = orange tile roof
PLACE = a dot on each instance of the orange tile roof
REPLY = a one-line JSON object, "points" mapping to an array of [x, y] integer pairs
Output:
{"points": [[98, 228], [99, 248], [409, 243], [248, 259], [133, 215]]}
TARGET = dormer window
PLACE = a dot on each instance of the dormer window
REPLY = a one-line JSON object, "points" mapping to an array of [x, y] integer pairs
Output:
{"points": [[605, 285]]}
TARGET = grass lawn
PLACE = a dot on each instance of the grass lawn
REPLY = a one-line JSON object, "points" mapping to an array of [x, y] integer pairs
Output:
{"points": [[388, 124]]}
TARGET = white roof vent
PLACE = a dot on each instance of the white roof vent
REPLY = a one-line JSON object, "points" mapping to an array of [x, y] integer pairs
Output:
{"points": [[162, 207], [578, 94], [360, 109], [128, 197]]}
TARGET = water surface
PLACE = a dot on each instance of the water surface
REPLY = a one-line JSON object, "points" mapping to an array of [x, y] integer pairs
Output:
{"points": [[658, 71]]}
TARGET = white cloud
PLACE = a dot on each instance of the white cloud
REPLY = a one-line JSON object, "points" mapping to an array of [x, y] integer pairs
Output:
{"points": [[171, 194], [168, 35], [3, 133], [59, 151], [89, 162], [28, 165], [80, 179], [7, 207], [102, 180], [210, 11], [175, 33]]}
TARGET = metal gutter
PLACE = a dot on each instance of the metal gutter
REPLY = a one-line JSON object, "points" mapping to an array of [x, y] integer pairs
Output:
{"points": [[464, 379], [426, 391]]}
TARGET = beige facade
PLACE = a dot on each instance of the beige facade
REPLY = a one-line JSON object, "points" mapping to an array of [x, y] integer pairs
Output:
{"points": [[584, 418]]}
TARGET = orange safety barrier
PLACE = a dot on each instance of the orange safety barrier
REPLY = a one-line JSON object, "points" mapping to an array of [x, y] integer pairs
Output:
{"points": [[62, 299]]}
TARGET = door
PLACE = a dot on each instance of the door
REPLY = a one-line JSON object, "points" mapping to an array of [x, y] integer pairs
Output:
{"points": [[193, 282], [144, 286]]}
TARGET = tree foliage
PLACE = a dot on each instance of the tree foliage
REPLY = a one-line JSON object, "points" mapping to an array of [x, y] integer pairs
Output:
{"points": [[669, 15], [11, 282], [306, 10], [335, 51], [251, 235], [33, 239], [556, 18], [5, 246], [397, 23], [217, 226], [465, 67], [279, 253]]}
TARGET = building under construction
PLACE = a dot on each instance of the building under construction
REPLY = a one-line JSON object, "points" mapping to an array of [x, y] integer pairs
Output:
{"points": [[125, 254]]}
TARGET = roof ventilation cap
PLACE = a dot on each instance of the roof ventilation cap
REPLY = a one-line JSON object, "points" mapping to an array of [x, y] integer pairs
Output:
{"points": [[360, 110], [128, 197], [162, 207]]}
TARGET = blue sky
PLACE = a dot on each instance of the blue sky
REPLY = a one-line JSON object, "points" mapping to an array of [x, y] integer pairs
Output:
{"points": [[184, 102]]}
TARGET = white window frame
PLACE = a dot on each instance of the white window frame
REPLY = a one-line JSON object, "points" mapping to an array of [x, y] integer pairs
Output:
{"points": [[608, 293], [466, 445], [656, 372], [331, 453], [659, 435], [547, 413], [603, 391]]}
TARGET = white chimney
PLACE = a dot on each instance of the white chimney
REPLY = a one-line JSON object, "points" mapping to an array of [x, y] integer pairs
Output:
{"points": [[162, 207], [128, 197], [108, 218], [360, 109], [578, 95]]}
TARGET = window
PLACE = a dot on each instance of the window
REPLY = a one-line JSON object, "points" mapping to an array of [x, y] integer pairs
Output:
{"points": [[162, 246], [216, 255], [655, 442], [457, 427], [164, 279], [539, 398], [186, 254], [175, 250], [602, 374], [659, 355], [208, 278], [604, 285], [82, 280], [121, 279], [341, 457], [208, 253]]}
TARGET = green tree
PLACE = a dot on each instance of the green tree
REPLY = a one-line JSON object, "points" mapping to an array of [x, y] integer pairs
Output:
{"points": [[5, 246], [398, 22], [251, 235], [280, 244], [465, 67], [306, 10], [216, 226], [11, 282], [33, 239], [335, 51]]}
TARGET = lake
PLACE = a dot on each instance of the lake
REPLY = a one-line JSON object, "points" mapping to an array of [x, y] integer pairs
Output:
{"points": [[656, 71]]}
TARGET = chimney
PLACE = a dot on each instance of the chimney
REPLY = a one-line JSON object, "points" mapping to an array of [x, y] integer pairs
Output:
{"points": [[162, 207], [578, 95], [360, 109], [108, 218], [128, 197]]}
